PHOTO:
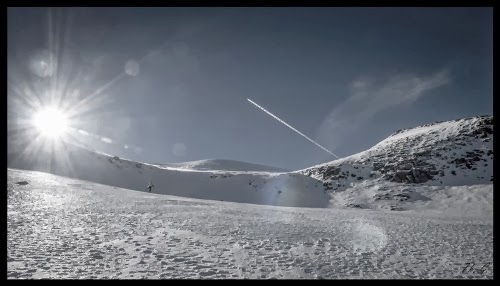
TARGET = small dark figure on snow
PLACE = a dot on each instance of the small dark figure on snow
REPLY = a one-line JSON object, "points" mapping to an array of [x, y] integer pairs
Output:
{"points": [[150, 186]]}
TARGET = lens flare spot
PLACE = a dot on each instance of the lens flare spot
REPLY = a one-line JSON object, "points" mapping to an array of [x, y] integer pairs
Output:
{"points": [[367, 237], [179, 149], [106, 140], [42, 63], [132, 68]]}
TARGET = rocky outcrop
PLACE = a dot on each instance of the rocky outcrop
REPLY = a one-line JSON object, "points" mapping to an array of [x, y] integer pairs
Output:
{"points": [[425, 154], [414, 176]]}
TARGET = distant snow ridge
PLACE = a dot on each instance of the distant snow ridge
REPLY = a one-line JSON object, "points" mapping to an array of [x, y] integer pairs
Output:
{"points": [[207, 179], [450, 153], [222, 165]]}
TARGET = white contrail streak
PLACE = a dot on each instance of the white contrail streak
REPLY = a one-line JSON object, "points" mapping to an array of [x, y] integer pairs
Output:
{"points": [[288, 125]]}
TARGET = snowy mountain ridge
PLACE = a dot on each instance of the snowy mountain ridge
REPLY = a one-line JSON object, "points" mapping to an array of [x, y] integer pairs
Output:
{"points": [[256, 187], [434, 156], [458, 152], [222, 165], [439, 166]]}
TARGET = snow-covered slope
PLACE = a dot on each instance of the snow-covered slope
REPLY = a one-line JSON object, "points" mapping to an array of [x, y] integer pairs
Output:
{"points": [[63, 228], [444, 154], [222, 165], [269, 188], [444, 166]]}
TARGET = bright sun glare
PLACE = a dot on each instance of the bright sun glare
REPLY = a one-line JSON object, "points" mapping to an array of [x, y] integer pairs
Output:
{"points": [[51, 122]]}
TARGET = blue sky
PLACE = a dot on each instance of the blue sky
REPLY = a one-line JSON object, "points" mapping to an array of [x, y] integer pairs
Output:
{"points": [[345, 77]]}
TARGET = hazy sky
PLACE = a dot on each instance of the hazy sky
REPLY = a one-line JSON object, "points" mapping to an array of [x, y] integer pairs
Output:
{"points": [[345, 77]]}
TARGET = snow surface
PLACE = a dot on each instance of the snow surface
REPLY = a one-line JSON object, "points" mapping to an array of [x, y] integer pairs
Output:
{"points": [[66, 228], [269, 188], [348, 218], [462, 201]]}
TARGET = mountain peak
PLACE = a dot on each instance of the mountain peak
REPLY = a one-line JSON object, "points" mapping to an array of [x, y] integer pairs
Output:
{"points": [[456, 152]]}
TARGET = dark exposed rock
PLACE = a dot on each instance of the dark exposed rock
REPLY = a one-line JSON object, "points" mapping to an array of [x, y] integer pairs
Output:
{"points": [[377, 166], [331, 171], [423, 153], [405, 166], [411, 178], [399, 176], [453, 173], [421, 176], [353, 206], [327, 186], [387, 177], [485, 130], [414, 176], [402, 197]]}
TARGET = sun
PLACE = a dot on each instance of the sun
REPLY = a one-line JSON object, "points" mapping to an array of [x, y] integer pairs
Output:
{"points": [[51, 122]]}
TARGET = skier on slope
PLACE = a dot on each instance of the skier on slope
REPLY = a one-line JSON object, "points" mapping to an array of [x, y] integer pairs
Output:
{"points": [[150, 186]]}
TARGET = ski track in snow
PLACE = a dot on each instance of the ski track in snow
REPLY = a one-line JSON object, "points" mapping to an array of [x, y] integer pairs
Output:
{"points": [[66, 228]]}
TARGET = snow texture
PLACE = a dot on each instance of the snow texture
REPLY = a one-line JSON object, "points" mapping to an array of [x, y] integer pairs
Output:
{"points": [[71, 229]]}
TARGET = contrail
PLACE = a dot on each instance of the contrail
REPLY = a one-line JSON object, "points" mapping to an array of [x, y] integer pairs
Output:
{"points": [[288, 125]]}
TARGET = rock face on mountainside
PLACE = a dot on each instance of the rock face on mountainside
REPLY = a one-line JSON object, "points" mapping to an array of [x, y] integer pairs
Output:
{"points": [[458, 152]]}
